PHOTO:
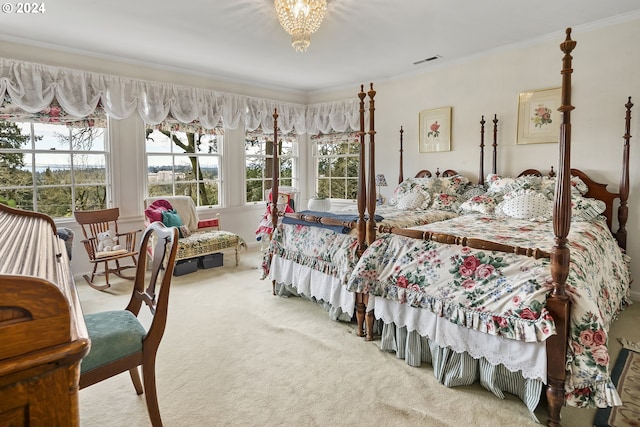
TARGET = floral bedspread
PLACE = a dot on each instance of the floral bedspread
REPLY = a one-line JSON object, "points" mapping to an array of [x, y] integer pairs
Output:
{"points": [[334, 253], [504, 294]]}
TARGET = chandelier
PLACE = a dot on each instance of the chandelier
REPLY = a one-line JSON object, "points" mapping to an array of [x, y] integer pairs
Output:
{"points": [[300, 18]]}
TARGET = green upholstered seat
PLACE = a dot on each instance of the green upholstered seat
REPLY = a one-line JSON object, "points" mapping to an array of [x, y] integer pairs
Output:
{"points": [[114, 335]]}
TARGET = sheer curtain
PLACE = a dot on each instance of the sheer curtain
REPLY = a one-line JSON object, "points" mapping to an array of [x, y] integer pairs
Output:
{"points": [[33, 87]]}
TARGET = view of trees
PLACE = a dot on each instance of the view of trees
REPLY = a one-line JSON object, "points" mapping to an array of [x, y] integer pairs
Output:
{"points": [[198, 177], [52, 180], [259, 166], [337, 168]]}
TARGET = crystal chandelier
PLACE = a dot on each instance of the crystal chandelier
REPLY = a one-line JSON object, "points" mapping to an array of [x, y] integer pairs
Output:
{"points": [[300, 18]]}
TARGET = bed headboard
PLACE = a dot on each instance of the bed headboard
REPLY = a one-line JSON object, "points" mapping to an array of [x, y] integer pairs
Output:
{"points": [[425, 173]]}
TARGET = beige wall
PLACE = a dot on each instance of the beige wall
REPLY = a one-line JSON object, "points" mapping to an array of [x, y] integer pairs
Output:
{"points": [[607, 71]]}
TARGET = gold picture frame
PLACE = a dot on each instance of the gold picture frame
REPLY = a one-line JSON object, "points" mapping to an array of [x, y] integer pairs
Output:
{"points": [[435, 130], [538, 116]]}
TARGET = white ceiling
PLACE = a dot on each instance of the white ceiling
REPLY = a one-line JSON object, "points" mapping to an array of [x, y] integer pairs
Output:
{"points": [[241, 40]]}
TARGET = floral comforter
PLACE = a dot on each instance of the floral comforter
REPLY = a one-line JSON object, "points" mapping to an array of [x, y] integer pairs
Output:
{"points": [[334, 253], [504, 294]]}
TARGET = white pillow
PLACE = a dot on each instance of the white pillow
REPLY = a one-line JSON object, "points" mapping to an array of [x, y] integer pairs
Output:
{"points": [[526, 204], [413, 200]]}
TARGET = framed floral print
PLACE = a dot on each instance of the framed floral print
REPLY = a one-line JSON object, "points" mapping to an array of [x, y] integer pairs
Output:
{"points": [[435, 130], [538, 116]]}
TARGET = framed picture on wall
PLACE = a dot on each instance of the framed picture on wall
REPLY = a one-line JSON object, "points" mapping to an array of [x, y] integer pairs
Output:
{"points": [[538, 116], [435, 130]]}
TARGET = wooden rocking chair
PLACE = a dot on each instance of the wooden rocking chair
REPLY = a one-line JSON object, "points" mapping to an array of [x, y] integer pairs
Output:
{"points": [[96, 222]]}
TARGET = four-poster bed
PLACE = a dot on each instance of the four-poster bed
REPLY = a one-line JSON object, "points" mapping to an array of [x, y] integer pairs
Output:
{"points": [[515, 303], [557, 344], [313, 253]]}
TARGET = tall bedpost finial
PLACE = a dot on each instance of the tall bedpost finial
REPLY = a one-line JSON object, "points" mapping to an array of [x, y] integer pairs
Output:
{"points": [[623, 209], [481, 170], [401, 177], [494, 166]]}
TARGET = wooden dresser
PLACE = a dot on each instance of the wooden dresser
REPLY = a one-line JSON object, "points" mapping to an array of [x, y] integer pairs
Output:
{"points": [[42, 332]]}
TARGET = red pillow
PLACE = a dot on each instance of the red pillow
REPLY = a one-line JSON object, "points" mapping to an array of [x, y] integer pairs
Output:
{"points": [[155, 209]]}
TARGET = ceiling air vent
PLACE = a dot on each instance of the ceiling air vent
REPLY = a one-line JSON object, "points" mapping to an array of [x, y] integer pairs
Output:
{"points": [[433, 58]]}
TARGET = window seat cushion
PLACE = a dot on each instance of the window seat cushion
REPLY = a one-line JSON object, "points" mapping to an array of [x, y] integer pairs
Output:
{"points": [[207, 242]]}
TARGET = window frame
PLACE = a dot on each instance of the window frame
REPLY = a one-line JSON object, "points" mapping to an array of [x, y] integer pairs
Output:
{"points": [[266, 158], [173, 155], [351, 138], [36, 153]]}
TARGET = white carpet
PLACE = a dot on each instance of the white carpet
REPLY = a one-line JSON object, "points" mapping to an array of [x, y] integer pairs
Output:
{"points": [[235, 355]]}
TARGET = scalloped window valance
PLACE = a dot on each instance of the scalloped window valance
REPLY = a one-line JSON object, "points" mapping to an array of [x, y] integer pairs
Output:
{"points": [[33, 88]]}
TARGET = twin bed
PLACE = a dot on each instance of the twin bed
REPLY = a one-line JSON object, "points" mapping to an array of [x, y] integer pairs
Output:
{"points": [[517, 293]]}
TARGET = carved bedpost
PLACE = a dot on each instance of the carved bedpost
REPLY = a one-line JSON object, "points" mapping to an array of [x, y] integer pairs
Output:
{"points": [[401, 177], [371, 196], [495, 144], [623, 209], [274, 183], [558, 302], [361, 305], [362, 184], [481, 172]]}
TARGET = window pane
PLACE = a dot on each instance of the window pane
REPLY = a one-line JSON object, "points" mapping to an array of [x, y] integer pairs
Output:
{"points": [[53, 169], [184, 168], [54, 201], [158, 142], [91, 138], [208, 144], [352, 189], [160, 169], [253, 147], [13, 175], [338, 167], [51, 137], [89, 168], [254, 167], [21, 135], [286, 148], [286, 168], [21, 198], [89, 197], [209, 168], [255, 192], [352, 167], [209, 193], [160, 189]]}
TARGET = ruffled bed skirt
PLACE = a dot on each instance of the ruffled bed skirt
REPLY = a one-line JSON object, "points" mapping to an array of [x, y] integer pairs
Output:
{"points": [[455, 369], [301, 280]]}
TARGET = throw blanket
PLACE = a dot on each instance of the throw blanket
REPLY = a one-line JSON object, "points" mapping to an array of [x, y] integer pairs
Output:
{"points": [[337, 228]]}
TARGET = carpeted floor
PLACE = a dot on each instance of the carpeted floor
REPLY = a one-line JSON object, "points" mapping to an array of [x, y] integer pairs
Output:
{"points": [[235, 355]]}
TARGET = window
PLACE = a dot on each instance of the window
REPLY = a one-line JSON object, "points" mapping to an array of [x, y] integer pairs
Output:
{"points": [[336, 159], [184, 163], [258, 154], [54, 168]]}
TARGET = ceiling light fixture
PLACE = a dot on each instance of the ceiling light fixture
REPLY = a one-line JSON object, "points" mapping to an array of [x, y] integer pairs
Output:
{"points": [[300, 18]]}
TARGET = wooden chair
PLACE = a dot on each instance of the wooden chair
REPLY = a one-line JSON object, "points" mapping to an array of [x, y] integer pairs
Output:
{"points": [[99, 221], [119, 341]]}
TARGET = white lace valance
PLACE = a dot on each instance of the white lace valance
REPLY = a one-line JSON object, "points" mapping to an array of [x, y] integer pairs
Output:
{"points": [[33, 87]]}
